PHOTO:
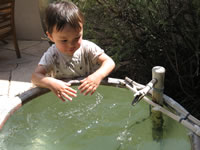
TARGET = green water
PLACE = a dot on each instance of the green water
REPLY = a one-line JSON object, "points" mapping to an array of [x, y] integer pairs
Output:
{"points": [[104, 121]]}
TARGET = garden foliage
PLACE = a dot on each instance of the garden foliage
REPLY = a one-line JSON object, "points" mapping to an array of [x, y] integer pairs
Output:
{"points": [[141, 34]]}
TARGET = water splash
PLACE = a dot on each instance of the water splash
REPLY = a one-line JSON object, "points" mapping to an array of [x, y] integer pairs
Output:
{"points": [[99, 98], [87, 112], [112, 106], [79, 131]]}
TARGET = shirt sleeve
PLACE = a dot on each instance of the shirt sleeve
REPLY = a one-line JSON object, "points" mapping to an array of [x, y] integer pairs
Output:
{"points": [[47, 60], [94, 52]]}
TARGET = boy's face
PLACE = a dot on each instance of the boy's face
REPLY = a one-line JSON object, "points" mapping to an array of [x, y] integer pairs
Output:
{"points": [[67, 40]]}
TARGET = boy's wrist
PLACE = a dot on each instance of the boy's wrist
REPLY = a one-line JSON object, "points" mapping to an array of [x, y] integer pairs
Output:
{"points": [[99, 75], [49, 82]]}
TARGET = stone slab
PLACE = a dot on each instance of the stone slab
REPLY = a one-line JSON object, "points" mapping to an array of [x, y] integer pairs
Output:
{"points": [[37, 49], [21, 77], [4, 83]]}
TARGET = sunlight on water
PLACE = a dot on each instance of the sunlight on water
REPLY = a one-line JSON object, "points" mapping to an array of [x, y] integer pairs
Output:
{"points": [[104, 121]]}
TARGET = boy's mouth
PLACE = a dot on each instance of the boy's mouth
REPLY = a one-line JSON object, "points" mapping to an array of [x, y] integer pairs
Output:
{"points": [[72, 50]]}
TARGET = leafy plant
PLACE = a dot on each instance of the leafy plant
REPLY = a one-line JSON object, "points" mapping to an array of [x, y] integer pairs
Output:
{"points": [[141, 34]]}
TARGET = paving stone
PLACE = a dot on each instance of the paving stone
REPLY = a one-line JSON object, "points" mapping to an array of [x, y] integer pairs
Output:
{"points": [[7, 55], [4, 83], [22, 44], [18, 87], [37, 49], [20, 70], [21, 77]]}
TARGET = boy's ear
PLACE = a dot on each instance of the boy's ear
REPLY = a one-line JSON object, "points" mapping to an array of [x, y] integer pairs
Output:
{"points": [[49, 36]]}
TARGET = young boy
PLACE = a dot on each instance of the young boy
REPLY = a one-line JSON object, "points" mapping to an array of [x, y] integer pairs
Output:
{"points": [[70, 56]]}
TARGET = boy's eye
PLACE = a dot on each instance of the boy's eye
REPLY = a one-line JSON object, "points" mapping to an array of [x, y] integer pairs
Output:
{"points": [[64, 41]]}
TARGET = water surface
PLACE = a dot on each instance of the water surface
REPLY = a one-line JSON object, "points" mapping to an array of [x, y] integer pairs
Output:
{"points": [[104, 121]]}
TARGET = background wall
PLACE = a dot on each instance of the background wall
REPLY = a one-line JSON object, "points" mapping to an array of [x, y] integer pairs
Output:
{"points": [[27, 20]]}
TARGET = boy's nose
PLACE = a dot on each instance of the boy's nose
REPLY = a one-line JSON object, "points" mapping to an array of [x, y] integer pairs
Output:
{"points": [[71, 44]]}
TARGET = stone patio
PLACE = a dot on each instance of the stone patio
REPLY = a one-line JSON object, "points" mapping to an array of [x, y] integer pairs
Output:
{"points": [[15, 74]]}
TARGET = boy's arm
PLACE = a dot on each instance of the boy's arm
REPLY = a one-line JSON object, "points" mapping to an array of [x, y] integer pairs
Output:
{"points": [[60, 88], [90, 84]]}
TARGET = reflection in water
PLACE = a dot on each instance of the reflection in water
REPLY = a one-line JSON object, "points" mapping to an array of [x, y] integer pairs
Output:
{"points": [[106, 120]]}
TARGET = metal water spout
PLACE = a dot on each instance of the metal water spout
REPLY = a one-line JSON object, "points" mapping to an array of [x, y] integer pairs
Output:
{"points": [[141, 93]]}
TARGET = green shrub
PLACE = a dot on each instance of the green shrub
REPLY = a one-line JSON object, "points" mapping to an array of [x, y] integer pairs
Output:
{"points": [[141, 34]]}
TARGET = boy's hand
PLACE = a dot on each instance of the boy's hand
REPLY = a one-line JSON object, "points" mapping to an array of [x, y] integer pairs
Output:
{"points": [[62, 89], [89, 84]]}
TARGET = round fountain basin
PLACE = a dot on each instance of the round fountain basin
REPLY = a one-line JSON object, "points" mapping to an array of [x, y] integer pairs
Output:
{"points": [[104, 121]]}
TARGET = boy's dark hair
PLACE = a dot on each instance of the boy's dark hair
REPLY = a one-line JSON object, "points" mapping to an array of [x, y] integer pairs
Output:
{"points": [[62, 14]]}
